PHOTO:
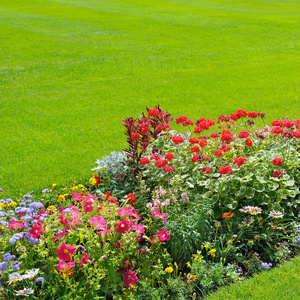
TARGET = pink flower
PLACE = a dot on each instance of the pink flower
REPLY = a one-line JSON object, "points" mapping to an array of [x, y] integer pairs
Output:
{"points": [[84, 259], [88, 206], [168, 168], [99, 222], [61, 234], [36, 231], [16, 225], [130, 278], [162, 235], [126, 266], [158, 215], [65, 268], [123, 226], [64, 251], [128, 212]]}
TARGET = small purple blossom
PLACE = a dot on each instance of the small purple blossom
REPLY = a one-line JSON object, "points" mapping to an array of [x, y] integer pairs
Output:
{"points": [[40, 279], [3, 266], [36, 205], [45, 191], [27, 196]]}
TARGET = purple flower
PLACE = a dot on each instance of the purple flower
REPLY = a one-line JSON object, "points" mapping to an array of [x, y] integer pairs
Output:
{"points": [[2, 214], [14, 275], [8, 200], [81, 249], [36, 205], [1, 190], [15, 267], [27, 196], [39, 279], [3, 266], [8, 256], [44, 191], [3, 223], [33, 241]]}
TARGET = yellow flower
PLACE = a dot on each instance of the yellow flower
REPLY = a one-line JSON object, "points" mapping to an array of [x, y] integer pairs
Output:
{"points": [[175, 264], [212, 252], [53, 185], [193, 277], [188, 264], [66, 195], [51, 207], [61, 198], [169, 270], [2, 205], [93, 181], [206, 246]]}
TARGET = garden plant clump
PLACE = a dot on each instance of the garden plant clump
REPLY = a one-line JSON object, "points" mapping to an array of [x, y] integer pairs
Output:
{"points": [[174, 216]]}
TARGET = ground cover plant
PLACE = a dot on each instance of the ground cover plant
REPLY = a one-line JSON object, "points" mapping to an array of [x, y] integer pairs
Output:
{"points": [[176, 215], [70, 70]]}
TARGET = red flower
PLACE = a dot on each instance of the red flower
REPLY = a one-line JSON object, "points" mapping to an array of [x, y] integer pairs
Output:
{"points": [[84, 259], [197, 129], [218, 153], [225, 170], [296, 134], [177, 139], [36, 231], [144, 161], [168, 168], [287, 124], [127, 265], [169, 156], [278, 173], [227, 215], [239, 161], [16, 225], [234, 117], [214, 135], [163, 235], [98, 181], [153, 112], [241, 113], [277, 161], [203, 143], [195, 157], [135, 136], [277, 130], [225, 148], [64, 251], [181, 119], [244, 134], [131, 198], [193, 140], [155, 156], [206, 170], [130, 278], [123, 226], [160, 163], [249, 143], [252, 114], [195, 149], [226, 135], [144, 130]]}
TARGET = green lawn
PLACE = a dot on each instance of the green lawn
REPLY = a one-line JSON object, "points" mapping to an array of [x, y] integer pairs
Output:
{"points": [[70, 70]]}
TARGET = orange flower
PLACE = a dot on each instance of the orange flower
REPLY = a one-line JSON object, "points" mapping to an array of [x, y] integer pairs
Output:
{"points": [[227, 215]]}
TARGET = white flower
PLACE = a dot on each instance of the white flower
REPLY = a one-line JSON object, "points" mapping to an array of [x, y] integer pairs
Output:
{"points": [[254, 210], [248, 222], [275, 226], [276, 214], [30, 274], [24, 292]]}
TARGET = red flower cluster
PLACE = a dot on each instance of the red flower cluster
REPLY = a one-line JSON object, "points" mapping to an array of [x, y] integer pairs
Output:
{"points": [[98, 181], [249, 143], [225, 170], [198, 157], [203, 124], [153, 112], [168, 168], [244, 134], [277, 161], [184, 121], [218, 153], [169, 156], [177, 139], [195, 149], [110, 198], [193, 140], [144, 161], [206, 170], [131, 198], [278, 173], [239, 161], [155, 156], [135, 136], [225, 148], [203, 143], [226, 136], [277, 130], [160, 163]]}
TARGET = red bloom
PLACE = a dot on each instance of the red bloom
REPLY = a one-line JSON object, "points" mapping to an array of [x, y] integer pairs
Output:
{"points": [[160, 163], [163, 235], [130, 278], [278, 173], [195, 157], [131, 198], [296, 134], [234, 117], [252, 114], [225, 148], [155, 156], [144, 130], [277, 161], [276, 123], [227, 215], [181, 119], [244, 134], [168, 168], [153, 112], [225, 170], [214, 135], [195, 149], [98, 181], [249, 143], [197, 129], [16, 225], [203, 143], [177, 139], [127, 265], [144, 161], [287, 124], [239, 161], [64, 251], [135, 136], [241, 113], [36, 231], [206, 170], [84, 259], [193, 140], [218, 153], [226, 135], [123, 226], [169, 156], [277, 130]]}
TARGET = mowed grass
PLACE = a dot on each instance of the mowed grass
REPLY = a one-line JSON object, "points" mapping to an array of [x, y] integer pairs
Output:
{"points": [[70, 70], [279, 284]]}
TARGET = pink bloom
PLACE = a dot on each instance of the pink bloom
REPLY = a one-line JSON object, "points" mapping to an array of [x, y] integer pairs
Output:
{"points": [[168, 168], [36, 231], [63, 266], [99, 222], [126, 266], [64, 251], [162, 235], [84, 259], [158, 215], [16, 225], [123, 226], [88, 206], [130, 278], [128, 212], [61, 234]]}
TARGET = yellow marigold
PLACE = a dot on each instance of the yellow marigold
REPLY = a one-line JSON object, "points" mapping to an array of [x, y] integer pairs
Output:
{"points": [[169, 270], [188, 264], [2, 205], [13, 204], [51, 207], [93, 181], [193, 277], [206, 246], [212, 252], [61, 198]]}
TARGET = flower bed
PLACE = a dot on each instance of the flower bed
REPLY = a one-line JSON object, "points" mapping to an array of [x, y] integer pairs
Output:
{"points": [[174, 216]]}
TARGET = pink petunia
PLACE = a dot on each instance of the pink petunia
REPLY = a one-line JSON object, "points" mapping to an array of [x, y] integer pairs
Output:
{"points": [[64, 251], [123, 226], [130, 278], [84, 259], [36, 231], [99, 222]]}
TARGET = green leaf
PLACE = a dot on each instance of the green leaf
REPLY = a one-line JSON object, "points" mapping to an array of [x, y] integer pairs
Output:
{"points": [[250, 192]]}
